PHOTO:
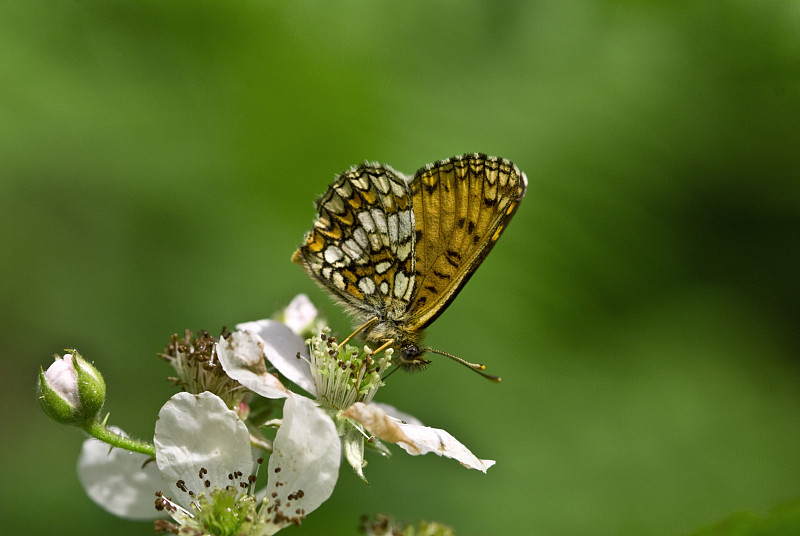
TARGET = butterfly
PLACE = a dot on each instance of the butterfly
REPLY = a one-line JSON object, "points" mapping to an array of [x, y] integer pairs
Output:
{"points": [[396, 251]]}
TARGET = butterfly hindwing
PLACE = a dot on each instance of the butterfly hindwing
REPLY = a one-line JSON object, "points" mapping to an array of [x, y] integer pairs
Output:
{"points": [[361, 246]]}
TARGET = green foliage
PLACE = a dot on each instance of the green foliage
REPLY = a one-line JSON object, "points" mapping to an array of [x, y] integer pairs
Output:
{"points": [[159, 162], [783, 520]]}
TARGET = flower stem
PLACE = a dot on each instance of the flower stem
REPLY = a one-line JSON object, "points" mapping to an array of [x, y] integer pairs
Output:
{"points": [[98, 430]]}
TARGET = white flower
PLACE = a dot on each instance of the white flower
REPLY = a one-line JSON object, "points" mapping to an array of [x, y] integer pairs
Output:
{"points": [[340, 379], [203, 454]]}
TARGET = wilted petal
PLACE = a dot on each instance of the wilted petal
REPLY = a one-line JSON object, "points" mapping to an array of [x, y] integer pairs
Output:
{"points": [[199, 431], [242, 357], [379, 423], [118, 480], [413, 438], [281, 346], [304, 464], [402, 416], [427, 439]]}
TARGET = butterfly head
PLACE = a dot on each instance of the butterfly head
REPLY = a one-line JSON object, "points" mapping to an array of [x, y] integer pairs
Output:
{"points": [[410, 357]]}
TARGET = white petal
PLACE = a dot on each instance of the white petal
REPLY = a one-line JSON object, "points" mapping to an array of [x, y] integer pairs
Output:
{"points": [[281, 346], [426, 439], [413, 438], [242, 357], [304, 462], [119, 480], [199, 431], [378, 422], [299, 314], [402, 416], [62, 377]]}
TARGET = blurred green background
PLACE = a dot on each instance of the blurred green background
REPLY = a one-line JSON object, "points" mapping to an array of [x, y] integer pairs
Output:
{"points": [[159, 162]]}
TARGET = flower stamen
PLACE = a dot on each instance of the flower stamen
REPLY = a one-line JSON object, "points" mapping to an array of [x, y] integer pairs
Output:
{"points": [[344, 374]]}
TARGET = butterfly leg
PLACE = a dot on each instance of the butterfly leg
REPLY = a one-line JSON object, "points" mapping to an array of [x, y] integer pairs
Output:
{"points": [[362, 327], [383, 347]]}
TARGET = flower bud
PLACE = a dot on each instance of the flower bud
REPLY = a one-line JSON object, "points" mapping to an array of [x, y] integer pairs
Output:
{"points": [[71, 391]]}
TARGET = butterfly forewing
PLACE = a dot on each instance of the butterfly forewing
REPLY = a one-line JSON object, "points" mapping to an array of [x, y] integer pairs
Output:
{"points": [[461, 206]]}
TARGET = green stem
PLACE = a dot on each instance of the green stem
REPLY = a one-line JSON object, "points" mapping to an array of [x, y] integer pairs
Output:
{"points": [[99, 431]]}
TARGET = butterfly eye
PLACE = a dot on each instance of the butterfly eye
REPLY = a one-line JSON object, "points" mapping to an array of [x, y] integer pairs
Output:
{"points": [[410, 353], [411, 357]]}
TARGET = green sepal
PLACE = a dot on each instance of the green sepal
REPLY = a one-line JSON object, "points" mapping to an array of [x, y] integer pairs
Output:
{"points": [[91, 387], [353, 449]]}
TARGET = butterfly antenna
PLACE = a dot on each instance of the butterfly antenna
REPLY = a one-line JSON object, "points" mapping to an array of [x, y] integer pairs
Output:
{"points": [[477, 367]]}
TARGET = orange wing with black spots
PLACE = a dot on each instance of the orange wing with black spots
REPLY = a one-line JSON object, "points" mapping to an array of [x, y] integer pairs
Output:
{"points": [[461, 206]]}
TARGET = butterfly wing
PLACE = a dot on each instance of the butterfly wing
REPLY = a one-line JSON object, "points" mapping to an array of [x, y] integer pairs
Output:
{"points": [[461, 206], [361, 247]]}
